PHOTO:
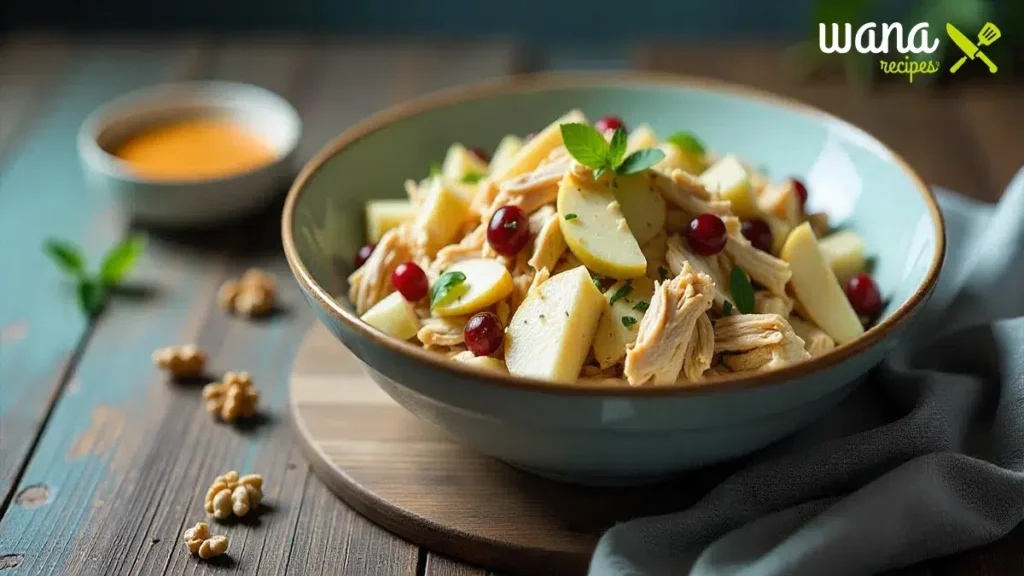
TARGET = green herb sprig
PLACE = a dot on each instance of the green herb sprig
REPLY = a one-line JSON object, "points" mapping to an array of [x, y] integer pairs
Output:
{"points": [[589, 148], [742, 290], [94, 289], [628, 321], [446, 287]]}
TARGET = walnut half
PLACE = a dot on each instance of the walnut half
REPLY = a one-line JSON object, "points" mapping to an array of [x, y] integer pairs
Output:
{"points": [[234, 398]]}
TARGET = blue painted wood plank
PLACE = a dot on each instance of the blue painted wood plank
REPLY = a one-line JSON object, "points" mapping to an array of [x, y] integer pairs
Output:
{"points": [[42, 195], [127, 455]]}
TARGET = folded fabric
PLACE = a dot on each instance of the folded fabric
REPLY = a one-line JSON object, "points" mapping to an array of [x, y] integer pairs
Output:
{"points": [[924, 459]]}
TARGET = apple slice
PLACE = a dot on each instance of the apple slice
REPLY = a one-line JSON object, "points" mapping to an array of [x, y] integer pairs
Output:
{"points": [[596, 231], [383, 215], [505, 151], [614, 333], [442, 215], [730, 181], [459, 162], [676, 157], [487, 282], [537, 148], [816, 288], [394, 317], [642, 205], [552, 330], [844, 251]]}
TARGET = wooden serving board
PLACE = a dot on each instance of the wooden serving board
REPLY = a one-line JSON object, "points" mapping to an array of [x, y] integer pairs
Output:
{"points": [[415, 480]]}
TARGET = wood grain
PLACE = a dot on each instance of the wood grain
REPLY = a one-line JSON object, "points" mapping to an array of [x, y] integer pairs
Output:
{"points": [[42, 195], [415, 480], [128, 454]]}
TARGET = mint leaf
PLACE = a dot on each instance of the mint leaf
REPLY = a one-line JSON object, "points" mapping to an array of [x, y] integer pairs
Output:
{"points": [[642, 306], [445, 288], [67, 256], [726, 308], [617, 148], [640, 160], [586, 145], [742, 290], [599, 172], [120, 260], [92, 296], [435, 169], [622, 292], [628, 321], [687, 142], [570, 216]]}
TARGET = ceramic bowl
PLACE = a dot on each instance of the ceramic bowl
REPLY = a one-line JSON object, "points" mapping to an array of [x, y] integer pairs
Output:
{"points": [[190, 202], [599, 434]]}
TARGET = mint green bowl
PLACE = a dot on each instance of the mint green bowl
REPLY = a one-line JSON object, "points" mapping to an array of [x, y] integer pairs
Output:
{"points": [[600, 434]]}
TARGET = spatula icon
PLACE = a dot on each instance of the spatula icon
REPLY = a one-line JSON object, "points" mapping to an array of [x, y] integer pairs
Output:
{"points": [[989, 33]]}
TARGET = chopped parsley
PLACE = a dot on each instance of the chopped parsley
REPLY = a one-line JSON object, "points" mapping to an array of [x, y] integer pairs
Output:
{"points": [[642, 306], [628, 321], [622, 292], [570, 216], [472, 177]]}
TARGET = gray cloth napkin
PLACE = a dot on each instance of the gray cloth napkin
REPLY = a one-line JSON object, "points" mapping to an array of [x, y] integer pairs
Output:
{"points": [[925, 459]]}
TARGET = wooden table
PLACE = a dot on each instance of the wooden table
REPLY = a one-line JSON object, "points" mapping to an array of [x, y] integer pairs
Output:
{"points": [[103, 461]]}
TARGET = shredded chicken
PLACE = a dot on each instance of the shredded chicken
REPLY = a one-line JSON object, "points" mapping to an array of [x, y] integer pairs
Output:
{"points": [[442, 331], [520, 289], [679, 254], [742, 332], [486, 191], [686, 192], [762, 267], [471, 246], [537, 181], [767, 303], [700, 351], [665, 331], [781, 346], [676, 220], [372, 281], [549, 245], [539, 218], [559, 154], [503, 312], [716, 370], [816, 341]]}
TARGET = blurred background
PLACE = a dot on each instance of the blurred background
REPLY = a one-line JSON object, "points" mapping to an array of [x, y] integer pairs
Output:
{"points": [[360, 56]]}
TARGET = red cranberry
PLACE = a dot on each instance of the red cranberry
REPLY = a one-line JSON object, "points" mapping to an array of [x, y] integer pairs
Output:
{"points": [[411, 281], [609, 123], [801, 191], [706, 234], [759, 234], [863, 294], [508, 231], [363, 254], [481, 154], [483, 334]]}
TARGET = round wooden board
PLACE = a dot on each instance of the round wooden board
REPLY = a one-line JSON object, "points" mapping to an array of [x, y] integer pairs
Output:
{"points": [[415, 480]]}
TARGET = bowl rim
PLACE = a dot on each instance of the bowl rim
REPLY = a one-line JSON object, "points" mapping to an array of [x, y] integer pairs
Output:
{"points": [[199, 94], [537, 82]]}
